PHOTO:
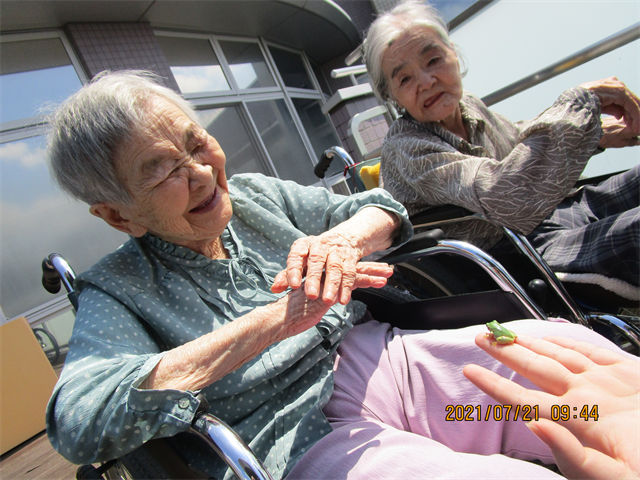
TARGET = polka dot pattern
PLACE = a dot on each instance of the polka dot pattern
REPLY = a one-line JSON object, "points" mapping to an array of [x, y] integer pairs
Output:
{"points": [[150, 296]]}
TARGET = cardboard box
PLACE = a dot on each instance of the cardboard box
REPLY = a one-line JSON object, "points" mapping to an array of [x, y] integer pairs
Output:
{"points": [[26, 383]]}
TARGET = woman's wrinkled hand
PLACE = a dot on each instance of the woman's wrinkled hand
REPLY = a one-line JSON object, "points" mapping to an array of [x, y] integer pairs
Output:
{"points": [[617, 100], [575, 374], [331, 264], [616, 134]]}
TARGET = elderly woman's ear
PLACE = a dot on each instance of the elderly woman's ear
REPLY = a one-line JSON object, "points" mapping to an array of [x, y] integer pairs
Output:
{"points": [[117, 217]]}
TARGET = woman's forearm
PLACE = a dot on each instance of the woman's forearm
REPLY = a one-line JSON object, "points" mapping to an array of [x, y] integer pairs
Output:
{"points": [[370, 230], [203, 361]]}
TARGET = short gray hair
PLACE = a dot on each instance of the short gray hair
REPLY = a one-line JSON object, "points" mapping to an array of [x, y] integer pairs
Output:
{"points": [[89, 128], [388, 27]]}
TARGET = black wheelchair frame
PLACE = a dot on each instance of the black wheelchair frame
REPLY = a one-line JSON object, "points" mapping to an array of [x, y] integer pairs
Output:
{"points": [[541, 284]]}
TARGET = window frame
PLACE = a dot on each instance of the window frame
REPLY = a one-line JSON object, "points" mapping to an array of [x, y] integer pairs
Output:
{"points": [[38, 120], [240, 97]]}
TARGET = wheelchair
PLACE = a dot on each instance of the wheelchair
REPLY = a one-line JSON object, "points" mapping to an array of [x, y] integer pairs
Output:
{"points": [[594, 307]]}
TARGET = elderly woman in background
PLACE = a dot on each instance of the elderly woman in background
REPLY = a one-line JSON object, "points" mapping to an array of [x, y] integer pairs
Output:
{"points": [[241, 290], [449, 148]]}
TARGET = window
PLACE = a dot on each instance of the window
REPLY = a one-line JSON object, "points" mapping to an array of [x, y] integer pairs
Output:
{"points": [[256, 111], [226, 125], [282, 141], [38, 219], [194, 64], [35, 72], [247, 65], [291, 68], [319, 130]]}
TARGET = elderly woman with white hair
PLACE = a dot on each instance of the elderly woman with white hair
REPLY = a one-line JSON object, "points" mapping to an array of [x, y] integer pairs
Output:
{"points": [[449, 148], [241, 290]]}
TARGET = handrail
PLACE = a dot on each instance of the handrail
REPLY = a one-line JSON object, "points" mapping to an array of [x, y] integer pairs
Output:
{"points": [[346, 71], [606, 45], [350, 72]]}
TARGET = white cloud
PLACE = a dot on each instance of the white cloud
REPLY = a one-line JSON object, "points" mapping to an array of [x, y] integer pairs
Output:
{"points": [[27, 153], [244, 74], [209, 78]]}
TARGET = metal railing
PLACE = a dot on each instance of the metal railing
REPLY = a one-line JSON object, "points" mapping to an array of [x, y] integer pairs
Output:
{"points": [[596, 50]]}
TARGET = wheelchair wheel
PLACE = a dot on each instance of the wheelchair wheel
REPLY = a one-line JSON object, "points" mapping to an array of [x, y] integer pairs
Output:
{"points": [[48, 343], [138, 465], [89, 472]]}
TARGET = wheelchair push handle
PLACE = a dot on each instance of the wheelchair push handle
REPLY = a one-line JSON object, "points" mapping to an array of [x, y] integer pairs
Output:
{"points": [[50, 277], [327, 157], [56, 270]]}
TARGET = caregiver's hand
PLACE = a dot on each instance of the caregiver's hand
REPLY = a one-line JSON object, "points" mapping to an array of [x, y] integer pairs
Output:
{"points": [[575, 374], [331, 261]]}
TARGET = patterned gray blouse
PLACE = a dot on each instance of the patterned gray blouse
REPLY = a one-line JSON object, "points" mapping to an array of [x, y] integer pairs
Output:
{"points": [[512, 174], [274, 402]]}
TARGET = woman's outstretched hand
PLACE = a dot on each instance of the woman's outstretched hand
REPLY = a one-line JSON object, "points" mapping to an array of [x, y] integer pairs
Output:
{"points": [[332, 269], [330, 262], [620, 102], [575, 374]]}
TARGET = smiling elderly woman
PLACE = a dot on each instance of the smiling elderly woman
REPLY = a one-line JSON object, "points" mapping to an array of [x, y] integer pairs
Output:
{"points": [[199, 300], [448, 148]]}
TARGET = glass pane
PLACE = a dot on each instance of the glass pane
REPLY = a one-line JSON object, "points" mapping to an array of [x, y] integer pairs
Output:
{"points": [[318, 129], [291, 68], [227, 127], [247, 64], [282, 140], [38, 219], [450, 9], [194, 64], [54, 336], [34, 73]]}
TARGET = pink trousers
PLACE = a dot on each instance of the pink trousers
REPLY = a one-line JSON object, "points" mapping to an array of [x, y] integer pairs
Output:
{"points": [[393, 392]]}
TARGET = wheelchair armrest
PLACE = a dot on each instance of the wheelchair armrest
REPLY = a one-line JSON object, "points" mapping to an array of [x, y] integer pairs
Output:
{"points": [[439, 214], [597, 179], [227, 444], [420, 241]]}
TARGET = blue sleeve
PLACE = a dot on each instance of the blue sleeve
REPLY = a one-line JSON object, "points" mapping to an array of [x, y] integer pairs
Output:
{"points": [[96, 411], [267, 201]]}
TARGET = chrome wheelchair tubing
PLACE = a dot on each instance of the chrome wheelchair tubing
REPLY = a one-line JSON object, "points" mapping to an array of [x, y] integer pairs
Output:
{"points": [[439, 223], [327, 157], [230, 447], [497, 272], [67, 275], [521, 242], [631, 333]]}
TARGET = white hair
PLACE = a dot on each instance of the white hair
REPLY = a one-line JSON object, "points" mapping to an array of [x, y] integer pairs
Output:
{"points": [[90, 127], [406, 16]]}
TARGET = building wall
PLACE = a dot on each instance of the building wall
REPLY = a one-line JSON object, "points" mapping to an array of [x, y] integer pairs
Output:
{"points": [[119, 46], [373, 131]]}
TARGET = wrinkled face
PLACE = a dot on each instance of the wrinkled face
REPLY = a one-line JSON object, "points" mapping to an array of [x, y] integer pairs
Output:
{"points": [[423, 75], [174, 171]]}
